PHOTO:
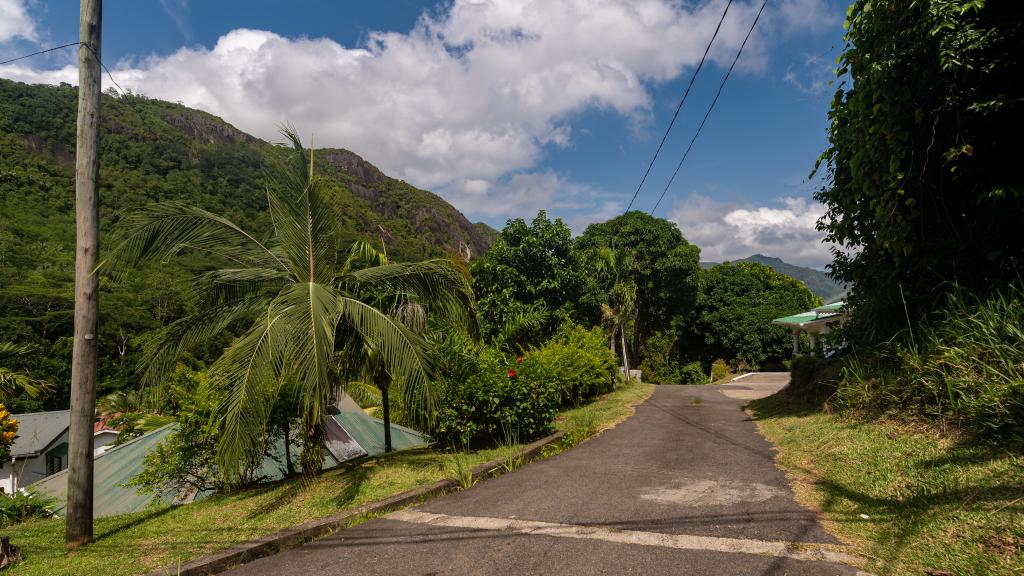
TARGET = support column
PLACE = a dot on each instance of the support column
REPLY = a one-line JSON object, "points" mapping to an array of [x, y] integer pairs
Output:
{"points": [[813, 336], [796, 342]]}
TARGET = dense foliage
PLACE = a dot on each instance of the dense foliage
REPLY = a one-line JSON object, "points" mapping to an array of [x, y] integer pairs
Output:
{"points": [[8, 433], [530, 280], [732, 318], [924, 193], [21, 506]]}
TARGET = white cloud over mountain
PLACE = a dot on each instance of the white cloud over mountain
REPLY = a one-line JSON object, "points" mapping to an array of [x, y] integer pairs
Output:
{"points": [[726, 231]]}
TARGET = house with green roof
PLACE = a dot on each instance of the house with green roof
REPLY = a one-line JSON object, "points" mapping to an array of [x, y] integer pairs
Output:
{"points": [[350, 434], [815, 323], [41, 448]]}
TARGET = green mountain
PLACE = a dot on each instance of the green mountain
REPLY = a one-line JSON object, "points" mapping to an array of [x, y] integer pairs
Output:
{"points": [[154, 151], [816, 281]]}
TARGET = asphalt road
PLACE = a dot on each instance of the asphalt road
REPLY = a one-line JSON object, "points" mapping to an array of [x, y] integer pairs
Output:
{"points": [[685, 486]]}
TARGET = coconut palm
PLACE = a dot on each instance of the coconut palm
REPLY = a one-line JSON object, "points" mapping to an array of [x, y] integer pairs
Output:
{"points": [[14, 382], [620, 308], [367, 377], [300, 301]]}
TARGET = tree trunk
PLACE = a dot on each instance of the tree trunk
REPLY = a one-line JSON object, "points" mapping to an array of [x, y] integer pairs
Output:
{"points": [[312, 457], [625, 354], [612, 339], [87, 216], [383, 384], [287, 429]]}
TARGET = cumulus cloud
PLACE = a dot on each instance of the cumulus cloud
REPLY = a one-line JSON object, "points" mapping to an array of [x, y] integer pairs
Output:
{"points": [[15, 21], [727, 231], [468, 100]]}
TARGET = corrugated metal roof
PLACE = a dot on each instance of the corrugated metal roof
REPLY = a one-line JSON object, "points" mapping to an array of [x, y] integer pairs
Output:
{"points": [[114, 467], [36, 430], [833, 307], [359, 434], [369, 432]]}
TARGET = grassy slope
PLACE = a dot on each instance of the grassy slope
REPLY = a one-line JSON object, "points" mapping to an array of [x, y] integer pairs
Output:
{"points": [[134, 543], [908, 499]]}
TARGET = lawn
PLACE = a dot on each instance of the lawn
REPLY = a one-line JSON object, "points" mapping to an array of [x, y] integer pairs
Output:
{"points": [[910, 500], [135, 543]]}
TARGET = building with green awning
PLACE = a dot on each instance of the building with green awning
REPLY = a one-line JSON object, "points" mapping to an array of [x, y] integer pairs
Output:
{"points": [[815, 323]]}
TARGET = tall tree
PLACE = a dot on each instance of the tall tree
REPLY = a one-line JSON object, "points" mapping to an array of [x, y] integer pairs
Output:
{"points": [[534, 274], [664, 267], [299, 300], [87, 286], [733, 314], [923, 190]]}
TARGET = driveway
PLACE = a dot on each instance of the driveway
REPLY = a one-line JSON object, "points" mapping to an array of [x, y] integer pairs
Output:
{"points": [[685, 486]]}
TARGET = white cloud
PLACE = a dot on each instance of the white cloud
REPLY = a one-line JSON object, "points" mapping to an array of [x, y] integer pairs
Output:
{"points": [[15, 21], [468, 100], [726, 231], [522, 194]]}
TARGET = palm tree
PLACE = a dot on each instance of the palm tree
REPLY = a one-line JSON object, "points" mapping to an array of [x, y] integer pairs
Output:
{"points": [[371, 381], [621, 306], [14, 382], [300, 303]]}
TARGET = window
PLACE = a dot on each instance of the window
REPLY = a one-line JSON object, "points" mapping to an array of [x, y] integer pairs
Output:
{"points": [[54, 464]]}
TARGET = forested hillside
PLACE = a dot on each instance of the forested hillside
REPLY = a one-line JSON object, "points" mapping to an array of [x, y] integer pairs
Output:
{"points": [[155, 151]]}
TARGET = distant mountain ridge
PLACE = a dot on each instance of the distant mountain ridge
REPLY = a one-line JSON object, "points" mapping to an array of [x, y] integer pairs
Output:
{"points": [[816, 281]]}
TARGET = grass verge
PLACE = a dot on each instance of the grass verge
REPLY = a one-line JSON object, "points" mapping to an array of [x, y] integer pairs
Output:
{"points": [[136, 543], [909, 500]]}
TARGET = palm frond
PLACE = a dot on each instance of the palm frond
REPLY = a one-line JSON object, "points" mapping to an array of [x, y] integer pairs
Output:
{"points": [[14, 383], [304, 221], [215, 287], [251, 371], [161, 231], [361, 255], [311, 312], [162, 349], [404, 354], [363, 393], [441, 286]]}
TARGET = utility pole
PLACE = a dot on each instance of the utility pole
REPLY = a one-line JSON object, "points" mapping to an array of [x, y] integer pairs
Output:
{"points": [[87, 227]]}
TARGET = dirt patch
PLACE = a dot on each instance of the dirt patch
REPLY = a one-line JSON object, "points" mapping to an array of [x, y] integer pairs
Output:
{"points": [[712, 493]]}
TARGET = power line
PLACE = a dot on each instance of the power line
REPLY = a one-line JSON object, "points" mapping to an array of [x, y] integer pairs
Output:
{"points": [[38, 53], [710, 108], [86, 44], [680, 106]]}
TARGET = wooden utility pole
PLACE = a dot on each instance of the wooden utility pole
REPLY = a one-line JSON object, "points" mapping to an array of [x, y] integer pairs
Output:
{"points": [[87, 226]]}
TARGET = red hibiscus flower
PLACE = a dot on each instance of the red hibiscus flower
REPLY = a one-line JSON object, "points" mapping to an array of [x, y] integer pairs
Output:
{"points": [[511, 372]]}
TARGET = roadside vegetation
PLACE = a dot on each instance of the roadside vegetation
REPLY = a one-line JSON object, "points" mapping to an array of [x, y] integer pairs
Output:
{"points": [[133, 543], [912, 443], [910, 500]]}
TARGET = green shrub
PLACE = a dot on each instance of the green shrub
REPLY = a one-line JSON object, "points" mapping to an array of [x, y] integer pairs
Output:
{"points": [[719, 370], [692, 373], [21, 506], [483, 395], [576, 362], [486, 394]]}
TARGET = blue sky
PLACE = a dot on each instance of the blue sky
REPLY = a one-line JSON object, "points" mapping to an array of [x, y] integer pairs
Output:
{"points": [[503, 107]]}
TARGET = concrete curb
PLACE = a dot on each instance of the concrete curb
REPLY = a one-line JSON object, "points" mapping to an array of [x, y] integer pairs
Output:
{"points": [[308, 531]]}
